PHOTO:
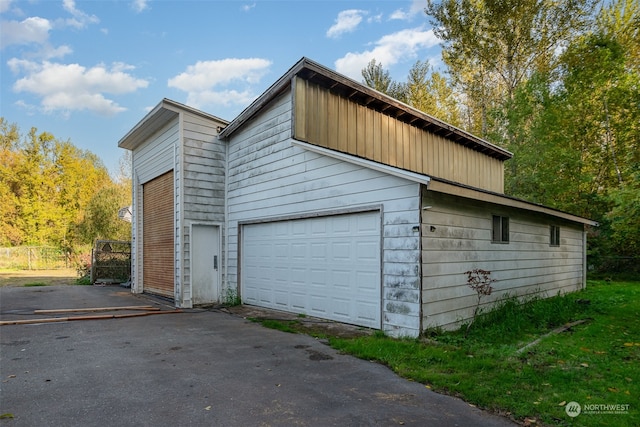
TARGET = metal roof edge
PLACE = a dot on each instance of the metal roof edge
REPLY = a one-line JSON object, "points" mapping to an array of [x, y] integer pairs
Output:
{"points": [[125, 141], [444, 186], [146, 124], [193, 110]]}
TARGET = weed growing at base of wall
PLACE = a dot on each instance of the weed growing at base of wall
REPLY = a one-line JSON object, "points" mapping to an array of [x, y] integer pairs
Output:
{"points": [[480, 281]]}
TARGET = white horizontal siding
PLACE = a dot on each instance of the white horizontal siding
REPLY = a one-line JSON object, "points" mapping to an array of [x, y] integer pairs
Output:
{"points": [[156, 156], [461, 241], [268, 177], [202, 173]]}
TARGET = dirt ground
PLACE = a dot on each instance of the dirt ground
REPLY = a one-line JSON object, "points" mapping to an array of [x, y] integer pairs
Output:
{"points": [[302, 324], [46, 277]]}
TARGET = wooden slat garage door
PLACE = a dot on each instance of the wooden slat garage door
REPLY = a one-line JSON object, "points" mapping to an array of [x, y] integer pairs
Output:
{"points": [[158, 232], [327, 267]]}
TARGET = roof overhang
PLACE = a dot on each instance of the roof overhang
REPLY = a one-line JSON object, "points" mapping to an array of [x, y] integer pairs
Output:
{"points": [[460, 190], [368, 97], [165, 111]]}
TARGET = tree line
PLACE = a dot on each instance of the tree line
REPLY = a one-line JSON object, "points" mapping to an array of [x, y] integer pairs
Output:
{"points": [[55, 194], [557, 83]]}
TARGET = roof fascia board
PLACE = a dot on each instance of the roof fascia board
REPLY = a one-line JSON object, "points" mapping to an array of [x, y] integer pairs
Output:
{"points": [[476, 194], [147, 124], [179, 107], [380, 167], [127, 140], [281, 84]]}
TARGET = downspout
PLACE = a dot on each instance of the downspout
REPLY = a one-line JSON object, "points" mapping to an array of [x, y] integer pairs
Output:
{"points": [[422, 194]]}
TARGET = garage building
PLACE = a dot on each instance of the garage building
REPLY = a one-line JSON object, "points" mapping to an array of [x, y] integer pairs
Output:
{"points": [[333, 200]]}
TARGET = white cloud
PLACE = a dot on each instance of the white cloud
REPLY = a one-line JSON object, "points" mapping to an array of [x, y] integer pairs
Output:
{"points": [[400, 15], [31, 30], [374, 18], [36, 31], [140, 5], [201, 81], [72, 87], [248, 7], [346, 22], [49, 52], [4, 5], [79, 18], [389, 50], [417, 7]]}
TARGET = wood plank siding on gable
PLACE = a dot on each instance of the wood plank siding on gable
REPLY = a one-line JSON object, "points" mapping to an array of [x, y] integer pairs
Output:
{"points": [[332, 121]]}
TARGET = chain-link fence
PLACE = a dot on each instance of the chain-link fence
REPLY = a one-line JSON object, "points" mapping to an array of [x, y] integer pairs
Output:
{"points": [[629, 265], [34, 258]]}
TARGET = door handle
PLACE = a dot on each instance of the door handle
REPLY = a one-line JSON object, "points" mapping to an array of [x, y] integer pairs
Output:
{"points": [[215, 262]]}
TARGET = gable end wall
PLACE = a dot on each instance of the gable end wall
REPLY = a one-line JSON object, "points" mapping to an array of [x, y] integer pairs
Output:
{"points": [[269, 177]]}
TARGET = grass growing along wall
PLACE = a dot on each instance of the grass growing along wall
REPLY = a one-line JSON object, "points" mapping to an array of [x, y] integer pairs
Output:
{"points": [[594, 363]]}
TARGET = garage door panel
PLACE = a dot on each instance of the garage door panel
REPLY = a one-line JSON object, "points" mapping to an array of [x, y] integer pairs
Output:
{"points": [[281, 298], [327, 267], [157, 235], [367, 252]]}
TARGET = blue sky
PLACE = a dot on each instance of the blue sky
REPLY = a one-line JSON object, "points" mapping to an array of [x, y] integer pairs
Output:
{"points": [[88, 71]]}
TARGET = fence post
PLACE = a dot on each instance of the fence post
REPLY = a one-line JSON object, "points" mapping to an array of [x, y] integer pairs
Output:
{"points": [[93, 265]]}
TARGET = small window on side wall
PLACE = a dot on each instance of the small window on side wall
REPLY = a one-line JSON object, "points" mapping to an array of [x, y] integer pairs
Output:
{"points": [[500, 229], [554, 235]]}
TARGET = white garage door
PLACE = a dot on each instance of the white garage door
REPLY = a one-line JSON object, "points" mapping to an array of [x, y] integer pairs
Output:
{"points": [[327, 267]]}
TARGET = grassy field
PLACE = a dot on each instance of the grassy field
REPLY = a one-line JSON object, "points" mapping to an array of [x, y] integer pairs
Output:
{"points": [[14, 277], [593, 363]]}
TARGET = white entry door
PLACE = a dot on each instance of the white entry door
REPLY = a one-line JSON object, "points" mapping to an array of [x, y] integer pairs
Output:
{"points": [[327, 267], [205, 263]]}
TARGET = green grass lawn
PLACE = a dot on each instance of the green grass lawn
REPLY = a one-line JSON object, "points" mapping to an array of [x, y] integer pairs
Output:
{"points": [[593, 363]]}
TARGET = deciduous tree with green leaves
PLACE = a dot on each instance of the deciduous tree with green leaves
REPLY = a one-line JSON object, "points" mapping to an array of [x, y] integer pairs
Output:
{"points": [[492, 46], [54, 193], [376, 77]]}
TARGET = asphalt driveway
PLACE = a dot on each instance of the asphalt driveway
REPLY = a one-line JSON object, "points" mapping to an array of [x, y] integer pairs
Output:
{"points": [[196, 368]]}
